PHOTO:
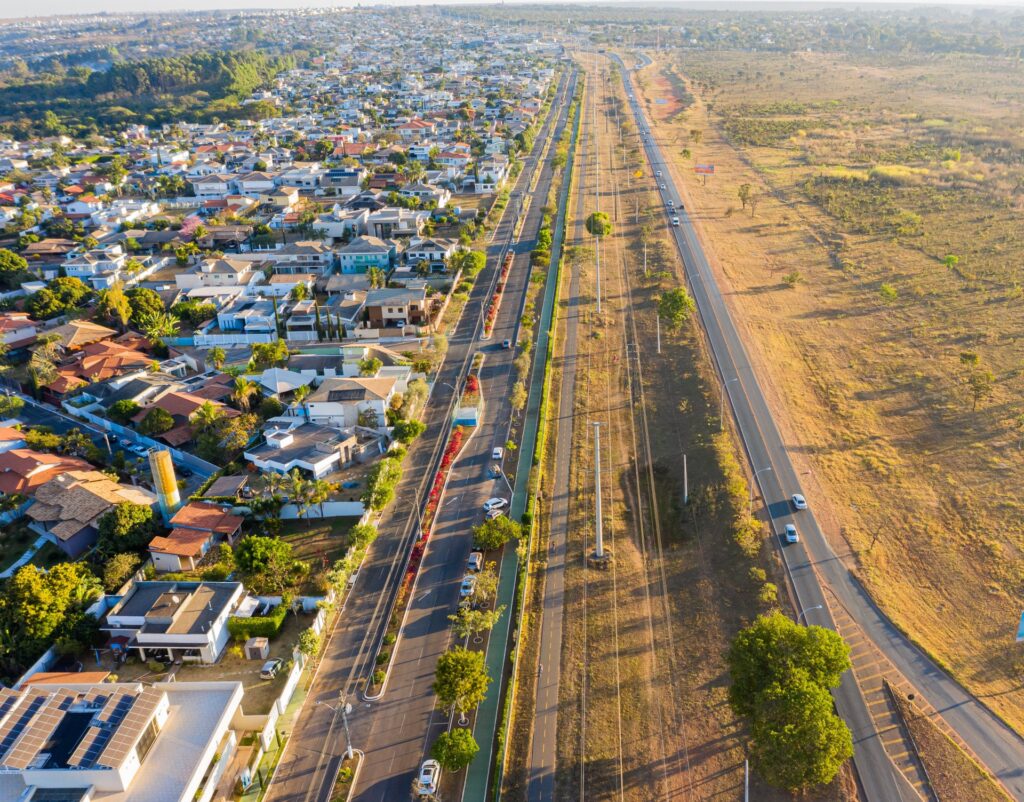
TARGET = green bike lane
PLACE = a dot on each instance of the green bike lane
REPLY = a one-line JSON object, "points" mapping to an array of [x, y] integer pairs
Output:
{"points": [[487, 714]]}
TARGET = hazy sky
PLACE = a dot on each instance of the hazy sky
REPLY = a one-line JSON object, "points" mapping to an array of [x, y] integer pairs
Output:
{"points": [[12, 8]]}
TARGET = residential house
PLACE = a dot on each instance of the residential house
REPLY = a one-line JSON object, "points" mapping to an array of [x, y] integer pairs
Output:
{"points": [[212, 186], [23, 470], [365, 252], [17, 329], [71, 737], [302, 321], [252, 185], [181, 406], [397, 307], [317, 450], [67, 508], [393, 222], [76, 334], [98, 267], [435, 251], [345, 401], [426, 193], [195, 529], [180, 620], [220, 273]]}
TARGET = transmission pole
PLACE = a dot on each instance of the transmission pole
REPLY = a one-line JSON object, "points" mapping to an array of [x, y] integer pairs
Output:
{"points": [[598, 523]]}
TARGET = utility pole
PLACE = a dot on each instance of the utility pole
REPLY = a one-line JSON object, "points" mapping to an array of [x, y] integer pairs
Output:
{"points": [[657, 321], [598, 523], [597, 252], [645, 258], [746, 780], [686, 483]]}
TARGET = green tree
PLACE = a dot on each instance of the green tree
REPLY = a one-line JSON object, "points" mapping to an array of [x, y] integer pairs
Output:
{"points": [[675, 307], [13, 270], [61, 295], [744, 194], [377, 278], [370, 366], [599, 224], [266, 559], [145, 303], [981, 384], [36, 603], [495, 533], [126, 527], [115, 306], [405, 431], [455, 750], [207, 416], [217, 357], [518, 398], [10, 406], [156, 421], [123, 411], [381, 483], [309, 642], [772, 648], [243, 391], [468, 622], [798, 740], [158, 326], [119, 569], [461, 679]]}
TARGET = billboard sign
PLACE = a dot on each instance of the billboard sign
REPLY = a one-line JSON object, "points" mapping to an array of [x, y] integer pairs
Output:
{"points": [[704, 169]]}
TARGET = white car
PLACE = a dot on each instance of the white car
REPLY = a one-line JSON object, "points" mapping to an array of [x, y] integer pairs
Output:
{"points": [[495, 504], [498, 454], [663, 186], [430, 774], [658, 174], [675, 221], [476, 560], [468, 586], [799, 502], [791, 534]]}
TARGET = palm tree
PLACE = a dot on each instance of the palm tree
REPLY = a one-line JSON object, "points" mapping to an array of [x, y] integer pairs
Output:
{"points": [[217, 357], [159, 325], [275, 482], [300, 491], [207, 416], [322, 490], [300, 395], [376, 277], [243, 392]]}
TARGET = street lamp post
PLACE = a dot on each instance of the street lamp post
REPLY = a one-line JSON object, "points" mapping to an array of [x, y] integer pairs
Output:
{"points": [[757, 473], [344, 708], [805, 612]]}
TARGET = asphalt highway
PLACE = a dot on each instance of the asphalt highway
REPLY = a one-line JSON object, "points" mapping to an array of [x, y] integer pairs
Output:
{"points": [[772, 469], [396, 731]]}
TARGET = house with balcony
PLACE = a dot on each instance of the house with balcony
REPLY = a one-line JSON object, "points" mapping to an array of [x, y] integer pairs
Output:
{"points": [[365, 252], [397, 307], [346, 402]]}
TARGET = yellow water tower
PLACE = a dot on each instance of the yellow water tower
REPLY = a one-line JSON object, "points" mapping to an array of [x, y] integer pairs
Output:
{"points": [[165, 482]]}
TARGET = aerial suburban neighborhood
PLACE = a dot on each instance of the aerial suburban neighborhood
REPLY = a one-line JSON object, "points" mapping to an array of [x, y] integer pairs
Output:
{"points": [[510, 401]]}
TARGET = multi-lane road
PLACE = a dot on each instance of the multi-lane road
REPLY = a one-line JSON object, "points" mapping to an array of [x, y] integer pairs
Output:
{"points": [[811, 563], [395, 731]]}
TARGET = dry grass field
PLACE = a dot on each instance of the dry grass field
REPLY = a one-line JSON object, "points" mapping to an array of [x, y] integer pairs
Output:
{"points": [[878, 278], [643, 712]]}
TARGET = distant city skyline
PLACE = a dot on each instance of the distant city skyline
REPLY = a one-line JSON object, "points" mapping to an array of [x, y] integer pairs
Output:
{"points": [[51, 8]]}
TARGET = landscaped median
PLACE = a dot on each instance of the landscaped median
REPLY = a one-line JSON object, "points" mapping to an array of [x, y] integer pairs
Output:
{"points": [[499, 291], [385, 654]]}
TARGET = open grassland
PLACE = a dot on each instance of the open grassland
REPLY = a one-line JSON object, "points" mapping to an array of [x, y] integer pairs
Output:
{"points": [[878, 278], [643, 711]]}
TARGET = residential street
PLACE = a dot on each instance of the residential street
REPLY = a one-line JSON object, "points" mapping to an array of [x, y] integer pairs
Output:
{"points": [[394, 732]]}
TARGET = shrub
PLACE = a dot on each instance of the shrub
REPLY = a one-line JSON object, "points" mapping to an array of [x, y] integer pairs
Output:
{"points": [[383, 656], [266, 626]]}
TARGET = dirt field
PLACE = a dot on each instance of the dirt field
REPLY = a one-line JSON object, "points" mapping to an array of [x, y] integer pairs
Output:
{"points": [[643, 714], [894, 370]]}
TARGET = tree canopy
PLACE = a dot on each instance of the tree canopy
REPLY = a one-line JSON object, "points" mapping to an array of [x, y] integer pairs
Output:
{"points": [[126, 527], [61, 295], [461, 679], [675, 307], [599, 224], [455, 750], [495, 533]]}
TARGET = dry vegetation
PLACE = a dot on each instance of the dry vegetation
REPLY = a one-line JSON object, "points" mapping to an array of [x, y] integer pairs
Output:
{"points": [[643, 683], [895, 369]]}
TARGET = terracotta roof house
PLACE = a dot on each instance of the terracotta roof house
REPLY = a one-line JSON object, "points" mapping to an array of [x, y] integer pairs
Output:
{"points": [[68, 507], [77, 334], [22, 470], [17, 329], [104, 360], [181, 406], [197, 528], [11, 438]]}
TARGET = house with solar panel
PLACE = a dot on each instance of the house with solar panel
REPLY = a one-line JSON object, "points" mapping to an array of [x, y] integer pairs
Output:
{"points": [[116, 742]]}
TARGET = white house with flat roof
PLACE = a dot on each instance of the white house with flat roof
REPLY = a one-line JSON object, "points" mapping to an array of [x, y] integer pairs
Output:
{"points": [[177, 620], [116, 742]]}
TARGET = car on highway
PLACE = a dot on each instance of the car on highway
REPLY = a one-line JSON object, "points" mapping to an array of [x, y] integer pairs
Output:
{"points": [[671, 203], [675, 221], [430, 775], [498, 453], [270, 668], [495, 504], [506, 344], [799, 502], [476, 561], [468, 586], [658, 174], [791, 535], [663, 186]]}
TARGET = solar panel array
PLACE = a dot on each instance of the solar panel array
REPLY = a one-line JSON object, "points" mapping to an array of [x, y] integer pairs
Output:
{"points": [[102, 729], [12, 728], [32, 739], [128, 734]]}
